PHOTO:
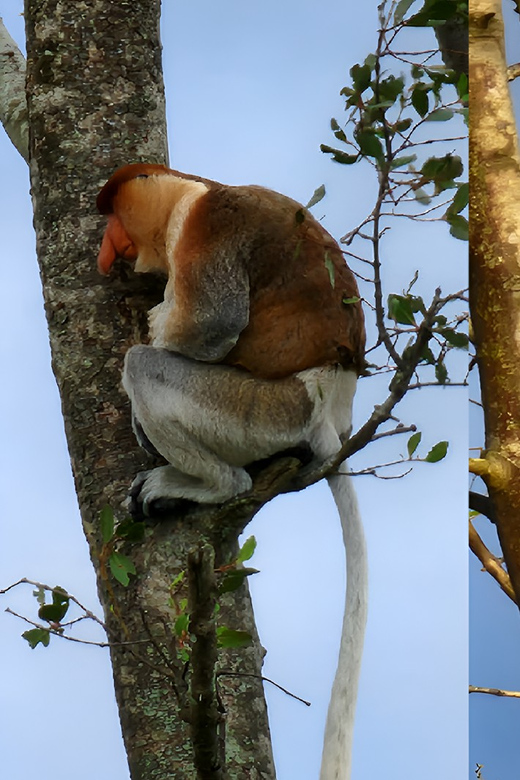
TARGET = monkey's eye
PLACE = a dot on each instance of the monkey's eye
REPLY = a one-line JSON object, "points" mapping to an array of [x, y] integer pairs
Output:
{"points": [[142, 176]]}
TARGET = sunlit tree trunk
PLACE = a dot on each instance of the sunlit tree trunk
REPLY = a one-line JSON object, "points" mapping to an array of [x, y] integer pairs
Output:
{"points": [[495, 271]]}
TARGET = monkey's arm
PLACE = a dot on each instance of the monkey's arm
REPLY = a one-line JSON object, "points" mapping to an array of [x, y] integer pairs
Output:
{"points": [[205, 308]]}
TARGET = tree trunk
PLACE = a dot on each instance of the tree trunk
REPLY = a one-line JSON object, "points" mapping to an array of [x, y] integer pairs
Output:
{"points": [[495, 272], [96, 101]]}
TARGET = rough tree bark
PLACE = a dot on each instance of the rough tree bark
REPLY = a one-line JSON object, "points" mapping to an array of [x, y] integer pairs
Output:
{"points": [[495, 272], [96, 101]]}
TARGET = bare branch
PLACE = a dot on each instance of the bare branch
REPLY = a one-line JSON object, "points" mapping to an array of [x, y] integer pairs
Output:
{"points": [[399, 429], [513, 71], [490, 562], [13, 103], [228, 673]]}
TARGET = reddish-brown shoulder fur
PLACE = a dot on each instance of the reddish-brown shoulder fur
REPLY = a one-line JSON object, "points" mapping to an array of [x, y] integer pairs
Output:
{"points": [[304, 301]]}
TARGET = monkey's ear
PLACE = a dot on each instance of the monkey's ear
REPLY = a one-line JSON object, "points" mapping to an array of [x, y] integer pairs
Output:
{"points": [[116, 243]]}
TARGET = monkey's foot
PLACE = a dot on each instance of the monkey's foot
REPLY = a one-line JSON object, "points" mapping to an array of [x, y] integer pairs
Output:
{"points": [[143, 503], [165, 491]]}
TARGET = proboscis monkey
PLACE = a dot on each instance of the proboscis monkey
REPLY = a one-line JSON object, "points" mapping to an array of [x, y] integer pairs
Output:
{"points": [[255, 349]]}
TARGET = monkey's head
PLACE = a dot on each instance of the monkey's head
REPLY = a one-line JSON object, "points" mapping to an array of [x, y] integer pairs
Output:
{"points": [[136, 200], [105, 199]]}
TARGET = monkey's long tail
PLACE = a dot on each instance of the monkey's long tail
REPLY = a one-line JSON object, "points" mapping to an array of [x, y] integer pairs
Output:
{"points": [[337, 747]]}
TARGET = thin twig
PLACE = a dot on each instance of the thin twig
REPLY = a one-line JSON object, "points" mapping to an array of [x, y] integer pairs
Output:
{"points": [[400, 429], [57, 632], [419, 385], [50, 589], [227, 673]]}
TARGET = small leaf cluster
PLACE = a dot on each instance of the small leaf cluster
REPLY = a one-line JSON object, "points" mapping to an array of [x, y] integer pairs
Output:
{"points": [[387, 116], [53, 613], [435, 454], [112, 533], [403, 310], [432, 13], [231, 577]]}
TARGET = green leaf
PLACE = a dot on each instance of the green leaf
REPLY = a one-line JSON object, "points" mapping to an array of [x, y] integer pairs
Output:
{"points": [[361, 75], [247, 550], [455, 338], [52, 612], [433, 10], [348, 301], [401, 9], [369, 144], [130, 530], [428, 356], [400, 309], [40, 596], [106, 517], [420, 100], [459, 227], [121, 567], [398, 162], [413, 443], [441, 372], [179, 579], [437, 453], [440, 115], [339, 156], [372, 113], [233, 579], [391, 87], [227, 637], [37, 636], [402, 125], [318, 195], [55, 612], [371, 61], [338, 132], [329, 265], [417, 304], [422, 196], [462, 87], [442, 169], [180, 626], [460, 200]]}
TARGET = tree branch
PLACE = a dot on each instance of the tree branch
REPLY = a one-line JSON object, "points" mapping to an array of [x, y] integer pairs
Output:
{"points": [[13, 103], [481, 504], [204, 715], [494, 691], [490, 562]]}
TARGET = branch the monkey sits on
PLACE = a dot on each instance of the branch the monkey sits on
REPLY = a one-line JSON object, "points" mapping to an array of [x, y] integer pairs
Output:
{"points": [[255, 349]]}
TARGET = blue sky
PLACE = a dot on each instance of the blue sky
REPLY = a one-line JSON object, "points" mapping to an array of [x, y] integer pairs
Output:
{"points": [[251, 90]]}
